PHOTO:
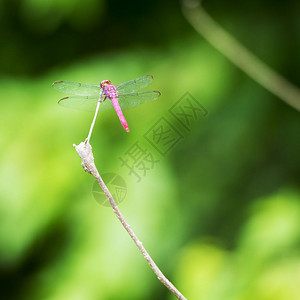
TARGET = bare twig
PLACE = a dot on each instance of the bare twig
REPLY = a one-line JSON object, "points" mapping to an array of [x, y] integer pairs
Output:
{"points": [[84, 150], [240, 55], [95, 116]]}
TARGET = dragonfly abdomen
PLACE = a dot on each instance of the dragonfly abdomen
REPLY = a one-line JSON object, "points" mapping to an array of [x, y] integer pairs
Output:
{"points": [[119, 112]]}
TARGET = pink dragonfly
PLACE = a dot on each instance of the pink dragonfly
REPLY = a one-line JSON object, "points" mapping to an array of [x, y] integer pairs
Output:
{"points": [[122, 96]]}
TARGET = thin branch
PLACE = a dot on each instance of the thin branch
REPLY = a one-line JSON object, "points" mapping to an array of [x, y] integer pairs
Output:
{"points": [[84, 150], [240, 55], [95, 116]]}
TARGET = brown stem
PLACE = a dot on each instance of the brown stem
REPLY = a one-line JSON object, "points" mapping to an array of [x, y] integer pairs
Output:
{"points": [[84, 150], [230, 47]]}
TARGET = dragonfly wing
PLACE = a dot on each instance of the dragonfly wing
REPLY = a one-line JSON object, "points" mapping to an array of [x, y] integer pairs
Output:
{"points": [[86, 103], [76, 88], [127, 101], [134, 85]]}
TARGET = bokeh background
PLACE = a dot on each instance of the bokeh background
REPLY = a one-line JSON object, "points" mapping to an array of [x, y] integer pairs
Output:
{"points": [[219, 213]]}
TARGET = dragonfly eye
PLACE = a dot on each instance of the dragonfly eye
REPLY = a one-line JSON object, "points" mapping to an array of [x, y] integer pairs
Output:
{"points": [[104, 82]]}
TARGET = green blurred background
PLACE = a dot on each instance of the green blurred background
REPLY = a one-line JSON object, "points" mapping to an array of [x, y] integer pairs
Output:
{"points": [[220, 213]]}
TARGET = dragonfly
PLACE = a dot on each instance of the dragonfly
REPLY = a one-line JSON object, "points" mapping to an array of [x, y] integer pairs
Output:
{"points": [[119, 97]]}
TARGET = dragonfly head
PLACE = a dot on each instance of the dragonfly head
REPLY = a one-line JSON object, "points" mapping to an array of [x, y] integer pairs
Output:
{"points": [[104, 82]]}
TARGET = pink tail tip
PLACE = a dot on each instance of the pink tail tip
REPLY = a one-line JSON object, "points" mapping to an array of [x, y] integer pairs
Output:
{"points": [[126, 128]]}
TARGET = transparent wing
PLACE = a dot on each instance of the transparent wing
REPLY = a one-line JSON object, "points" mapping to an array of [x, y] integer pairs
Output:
{"points": [[134, 85], [86, 103], [127, 101], [76, 88]]}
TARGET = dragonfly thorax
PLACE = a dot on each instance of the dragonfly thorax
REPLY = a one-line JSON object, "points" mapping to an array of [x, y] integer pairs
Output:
{"points": [[109, 89]]}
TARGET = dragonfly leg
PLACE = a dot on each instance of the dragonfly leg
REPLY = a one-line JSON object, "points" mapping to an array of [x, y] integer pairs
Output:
{"points": [[103, 100]]}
